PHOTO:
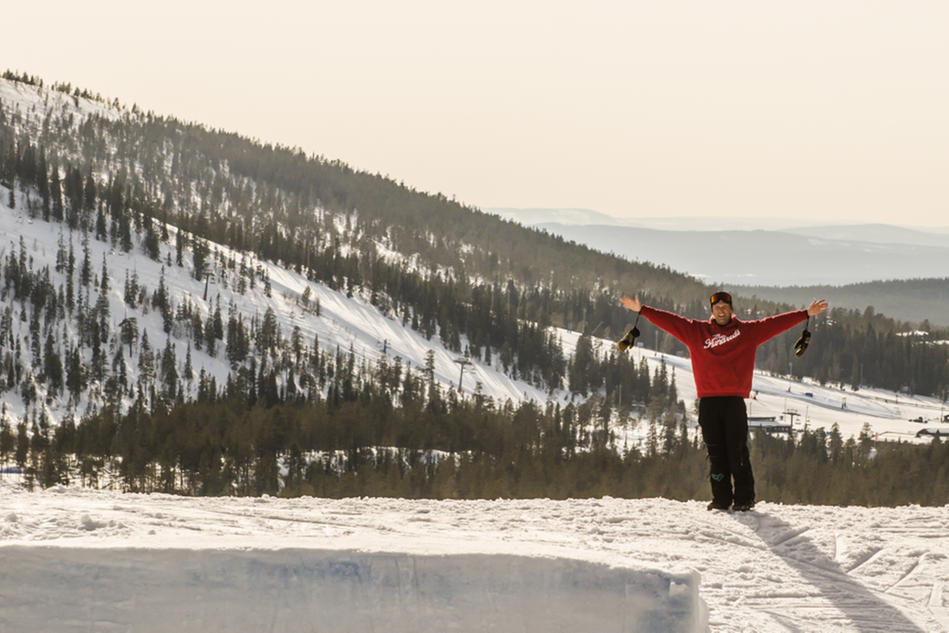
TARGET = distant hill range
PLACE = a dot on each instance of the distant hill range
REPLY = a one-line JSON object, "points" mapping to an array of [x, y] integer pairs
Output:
{"points": [[902, 272], [912, 300]]}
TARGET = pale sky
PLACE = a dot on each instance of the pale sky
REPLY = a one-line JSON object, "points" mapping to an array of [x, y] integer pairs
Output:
{"points": [[814, 109]]}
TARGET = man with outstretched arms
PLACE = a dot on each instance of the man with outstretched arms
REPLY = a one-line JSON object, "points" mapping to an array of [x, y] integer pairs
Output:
{"points": [[723, 363]]}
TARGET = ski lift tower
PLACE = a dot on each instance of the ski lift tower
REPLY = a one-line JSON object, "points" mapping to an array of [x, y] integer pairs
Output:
{"points": [[464, 362], [791, 413], [209, 278]]}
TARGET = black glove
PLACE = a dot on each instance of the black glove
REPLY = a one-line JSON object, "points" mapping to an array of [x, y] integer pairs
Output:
{"points": [[629, 340], [801, 345]]}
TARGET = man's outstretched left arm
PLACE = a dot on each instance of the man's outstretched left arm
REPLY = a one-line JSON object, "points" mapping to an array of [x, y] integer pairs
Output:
{"points": [[770, 327]]}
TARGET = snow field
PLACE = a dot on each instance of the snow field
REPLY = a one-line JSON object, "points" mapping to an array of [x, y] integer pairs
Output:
{"points": [[97, 560]]}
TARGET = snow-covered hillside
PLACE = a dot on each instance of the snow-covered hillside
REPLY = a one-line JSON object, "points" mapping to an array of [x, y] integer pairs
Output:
{"points": [[344, 322], [351, 322], [82, 560]]}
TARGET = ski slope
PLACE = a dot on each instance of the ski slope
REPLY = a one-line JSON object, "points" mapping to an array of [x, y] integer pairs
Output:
{"points": [[82, 560]]}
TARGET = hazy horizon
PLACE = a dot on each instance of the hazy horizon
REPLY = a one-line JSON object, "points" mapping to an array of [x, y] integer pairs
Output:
{"points": [[572, 216]]}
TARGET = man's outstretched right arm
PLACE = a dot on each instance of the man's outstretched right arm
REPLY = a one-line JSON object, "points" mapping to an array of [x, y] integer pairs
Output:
{"points": [[677, 326]]}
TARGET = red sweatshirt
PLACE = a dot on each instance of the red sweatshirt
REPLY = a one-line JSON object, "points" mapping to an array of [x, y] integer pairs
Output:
{"points": [[723, 358]]}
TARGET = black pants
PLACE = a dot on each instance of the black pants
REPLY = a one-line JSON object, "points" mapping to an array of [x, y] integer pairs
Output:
{"points": [[724, 422]]}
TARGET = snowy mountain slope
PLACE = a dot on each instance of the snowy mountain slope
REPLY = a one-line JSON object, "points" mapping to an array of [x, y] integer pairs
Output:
{"points": [[344, 322], [33, 102], [79, 560], [352, 322]]}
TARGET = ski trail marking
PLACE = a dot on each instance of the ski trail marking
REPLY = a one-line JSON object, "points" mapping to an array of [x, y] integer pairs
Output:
{"points": [[935, 596], [782, 619], [919, 561], [866, 558], [792, 535]]}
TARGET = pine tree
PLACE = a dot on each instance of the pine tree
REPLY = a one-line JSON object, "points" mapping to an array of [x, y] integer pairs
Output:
{"points": [[146, 361], [102, 232], [169, 371], [104, 282], [90, 195], [151, 243], [236, 347], [85, 270], [188, 373], [52, 366], [161, 301], [22, 444], [131, 290], [199, 254], [268, 335], [179, 247], [128, 331], [124, 232], [835, 444], [75, 372], [7, 438]]}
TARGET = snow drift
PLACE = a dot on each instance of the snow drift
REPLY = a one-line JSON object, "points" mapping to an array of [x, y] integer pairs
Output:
{"points": [[62, 589]]}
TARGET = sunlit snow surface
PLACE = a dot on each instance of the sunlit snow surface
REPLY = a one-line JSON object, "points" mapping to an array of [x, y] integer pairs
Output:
{"points": [[82, 560]]}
